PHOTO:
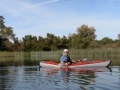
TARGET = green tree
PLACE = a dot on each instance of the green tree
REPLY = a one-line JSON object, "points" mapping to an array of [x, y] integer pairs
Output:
{"points": [[8, 34], [48, 41], [40, 43], [51, 41], [1, 27], [86, 32], [30, 43], [105, 40], [8, 41], [2, 22], [63, 43], [84, 36]]}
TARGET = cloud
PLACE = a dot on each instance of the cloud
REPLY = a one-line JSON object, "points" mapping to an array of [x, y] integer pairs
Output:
{"points": [[43, 3]]}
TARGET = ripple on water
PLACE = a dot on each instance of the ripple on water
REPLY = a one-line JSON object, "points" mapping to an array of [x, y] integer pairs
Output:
{"points": [[30, 78]]}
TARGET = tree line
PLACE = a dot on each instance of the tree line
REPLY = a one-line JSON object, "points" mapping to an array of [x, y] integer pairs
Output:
{"points": [[84, 38]]}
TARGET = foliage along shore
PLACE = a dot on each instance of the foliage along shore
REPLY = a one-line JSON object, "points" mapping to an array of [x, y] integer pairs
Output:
{"points": [[33, 58]]}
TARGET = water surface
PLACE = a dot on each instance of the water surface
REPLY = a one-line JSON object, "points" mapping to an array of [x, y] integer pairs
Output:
{"points": [[35, 78]]}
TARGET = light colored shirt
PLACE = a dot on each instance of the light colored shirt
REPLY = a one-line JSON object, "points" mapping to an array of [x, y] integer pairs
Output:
{"points": [[63, 58]]}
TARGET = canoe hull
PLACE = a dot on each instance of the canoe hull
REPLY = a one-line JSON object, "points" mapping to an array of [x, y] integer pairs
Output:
{"points": [[43, 64], [76, 65], [97, 64]]}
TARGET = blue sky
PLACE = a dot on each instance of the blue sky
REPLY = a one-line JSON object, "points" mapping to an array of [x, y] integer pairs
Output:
{"points": [[61, 17]]}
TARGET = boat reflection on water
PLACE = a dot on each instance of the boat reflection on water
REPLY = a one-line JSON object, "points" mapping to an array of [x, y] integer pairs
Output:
{"points": [[76, 70], [65, 76]]}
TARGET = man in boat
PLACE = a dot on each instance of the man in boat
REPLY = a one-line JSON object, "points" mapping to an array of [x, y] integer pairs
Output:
{"points": [[65, 58]]}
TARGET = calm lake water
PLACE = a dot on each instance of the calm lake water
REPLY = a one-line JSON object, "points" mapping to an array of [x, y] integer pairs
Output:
{"points": [[35, 78]]}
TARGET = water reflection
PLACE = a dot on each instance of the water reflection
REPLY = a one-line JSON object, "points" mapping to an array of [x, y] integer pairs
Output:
{"points": [[76, 70], [74, 76], [17, 62], [35, 78]]}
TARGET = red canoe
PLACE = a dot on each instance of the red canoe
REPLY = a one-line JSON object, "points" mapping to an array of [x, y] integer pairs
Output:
{"points": [[95, 63]]}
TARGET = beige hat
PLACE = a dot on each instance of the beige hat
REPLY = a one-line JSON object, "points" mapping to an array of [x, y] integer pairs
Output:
{"points": [[65, 50]]}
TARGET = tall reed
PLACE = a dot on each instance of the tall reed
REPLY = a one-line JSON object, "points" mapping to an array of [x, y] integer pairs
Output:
{"points": [[78, 54], [75, 54]]}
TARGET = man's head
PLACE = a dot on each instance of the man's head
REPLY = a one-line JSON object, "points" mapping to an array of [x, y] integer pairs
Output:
{"points": [[65, 50]]}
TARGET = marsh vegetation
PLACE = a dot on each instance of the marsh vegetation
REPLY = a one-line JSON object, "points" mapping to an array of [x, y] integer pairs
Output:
{"points": [[29, 58]]}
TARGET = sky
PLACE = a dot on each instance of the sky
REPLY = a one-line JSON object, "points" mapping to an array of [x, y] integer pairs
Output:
{"points": [[61, 17]]}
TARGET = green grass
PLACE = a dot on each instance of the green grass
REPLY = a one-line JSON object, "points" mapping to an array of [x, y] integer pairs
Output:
{"points": [[75, 54]]}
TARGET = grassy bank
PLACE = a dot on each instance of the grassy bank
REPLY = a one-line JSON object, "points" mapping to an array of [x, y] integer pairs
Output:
{"points": [[29, 58], [14, 54], [75, 54], [80, 54]]}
